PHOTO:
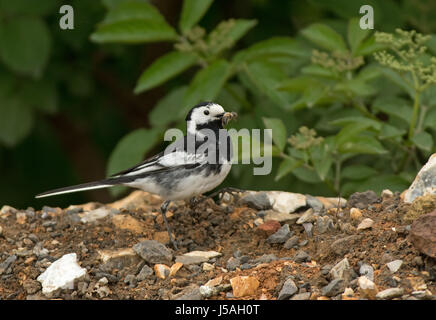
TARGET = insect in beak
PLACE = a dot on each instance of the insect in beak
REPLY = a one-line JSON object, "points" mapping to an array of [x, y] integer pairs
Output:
{"points": [[229, 116]]}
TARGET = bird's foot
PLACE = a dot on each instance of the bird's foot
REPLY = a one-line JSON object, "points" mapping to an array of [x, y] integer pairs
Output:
{"points": [[233, 191], [163, 210]]}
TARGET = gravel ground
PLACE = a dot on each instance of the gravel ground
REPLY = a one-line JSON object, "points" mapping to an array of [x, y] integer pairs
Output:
{"points": [[243, 248]]}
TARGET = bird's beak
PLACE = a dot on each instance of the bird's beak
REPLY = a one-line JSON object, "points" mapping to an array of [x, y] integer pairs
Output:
{"points": [[229, 116]]}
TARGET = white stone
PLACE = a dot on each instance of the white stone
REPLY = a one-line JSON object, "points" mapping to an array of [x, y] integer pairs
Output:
{"points": [[365, 224], [306, 217], [424, 183], [394, 265], [61, 274], [286, 202], [386, 194], [390, 293], [337, 272], [94, 215], [367, 288], [204, 254]]}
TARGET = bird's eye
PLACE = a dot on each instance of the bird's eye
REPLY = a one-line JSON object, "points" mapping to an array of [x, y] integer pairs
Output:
{"points": [[206, 112]]}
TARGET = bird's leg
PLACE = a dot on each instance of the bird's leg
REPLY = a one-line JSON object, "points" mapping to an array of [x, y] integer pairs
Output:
{"points": [[163, 210]]}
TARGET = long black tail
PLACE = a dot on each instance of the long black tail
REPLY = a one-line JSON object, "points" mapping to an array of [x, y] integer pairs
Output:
{"points": [[80, 187]]}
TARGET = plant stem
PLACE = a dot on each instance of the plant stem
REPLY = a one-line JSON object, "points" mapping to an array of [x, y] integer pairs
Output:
{"points": [[414, 114], [338, 175]]}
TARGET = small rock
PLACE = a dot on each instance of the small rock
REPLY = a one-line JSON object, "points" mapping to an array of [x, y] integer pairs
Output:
{"points": [[301, 296], [256, 200], [348, 292], [367, 288], [130, 280], [4, 266], [268, 228], [423, 294], [337, 272], [21, 217], [365, 224], [118, 259], [280, 236], [233, 263], [281, 217], [324, 224], [94, 215], [6, 210], [191, 292], [390, 293], [306, 217], [301, 256], [61, 274], [197, 257], [334, 288], [207, 266], [417, 261], [244, 286], [308, 227], [424, 182], [288, 290], [367, 271], [325, 270], [314, 203], [286, 202], [145, 273], [31, 286], [103, 292], [361, 200], [266, 258], [153, 252], [386, 194], [162, 271], [355, 214], [423, 234], [1, 231], [175, 268], [395, 265], [291, 242], [126, 222]]}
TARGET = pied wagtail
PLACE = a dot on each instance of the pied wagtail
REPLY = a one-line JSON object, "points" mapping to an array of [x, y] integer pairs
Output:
{"points": [[188, 167]]}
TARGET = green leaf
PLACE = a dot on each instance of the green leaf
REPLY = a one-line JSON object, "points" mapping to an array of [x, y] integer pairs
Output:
{"points": [[16, 121], [298, 83], [322, 160], [278, 131], [267, 77], [388, 132], [350, 131], [192, 12], [356, 34], [362, 144], [356, 87], [423, 140], [163, 69], [206, 84], [356, 120], [273, 47], [25, 45], [133, 10], [26, 7], [134, 31], [357, 172], [306, 175], [319, 71], [287, 166], [430, 119], [130, 150], [397, 79], [168, 108], [325, 37], [41, 95], [368, 46], [395, 107], [369, 73], [227, 33]]}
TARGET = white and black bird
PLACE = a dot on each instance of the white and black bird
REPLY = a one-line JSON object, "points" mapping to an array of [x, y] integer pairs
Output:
{"points": [[188, 167]]}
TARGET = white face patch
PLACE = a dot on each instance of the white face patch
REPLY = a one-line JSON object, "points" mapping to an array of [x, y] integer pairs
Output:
{"points": [[204, 115]]}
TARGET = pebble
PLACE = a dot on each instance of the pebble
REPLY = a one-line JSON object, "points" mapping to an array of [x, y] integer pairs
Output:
{"points": [[244, 286], [21, 217], [162, 271], [390, 293], [314, 203], [337, 272], [361, 200], [127, 222], [153, 252], [423, 234], [348, 292], [145, 273], [286, 202], [31, 286], [367, 271], [355, 214], [4, 266], [308, 227], [61, 274], [130, 280], [6, 210], [386, 194], [367, 288], [281, 217], [424, 182], [207, 266], [103, 292], [395, 265], [325, 270], [192, 292], [301, 296], [268, 228], [334, 288], [197, 257], [307, 216], [118, 259], [257, 200], [233, 263], [280, 236], [324, 224], [365, 224], [266, 258], [175, 268], [94, 215], [1, 231], [288, 290], [301, 256]]}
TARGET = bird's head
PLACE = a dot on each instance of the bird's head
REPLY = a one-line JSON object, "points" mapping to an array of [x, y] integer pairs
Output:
{"points": [[208, 115]]}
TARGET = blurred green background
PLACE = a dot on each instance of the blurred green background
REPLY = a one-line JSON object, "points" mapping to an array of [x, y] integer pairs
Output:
{"points": [[76, 105]]}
